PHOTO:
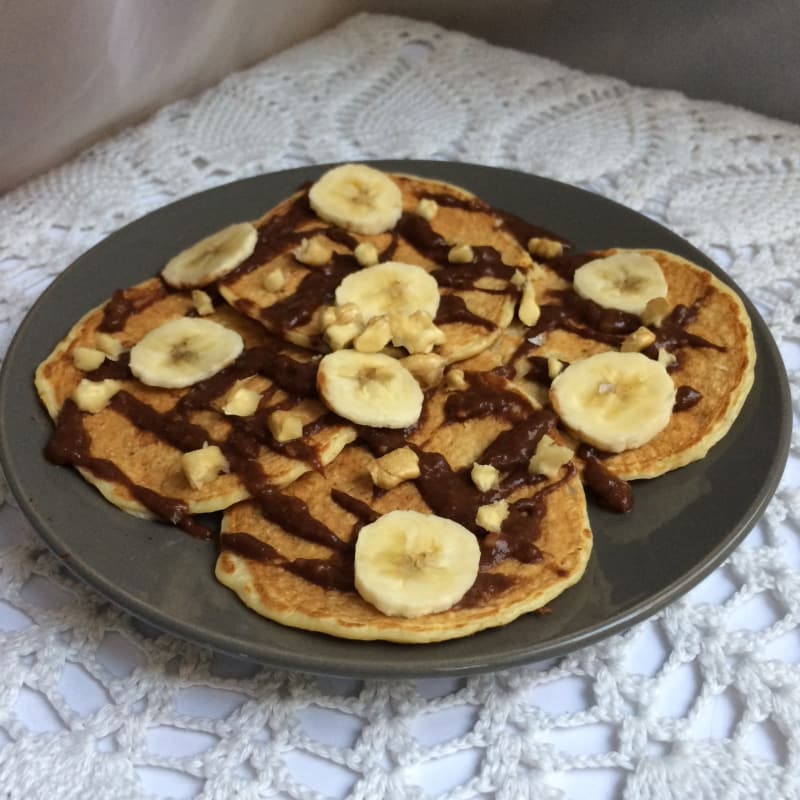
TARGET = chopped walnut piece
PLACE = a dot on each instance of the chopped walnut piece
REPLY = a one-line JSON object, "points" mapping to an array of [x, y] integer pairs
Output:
{"points": [[274, 280], [366, 254], [544, 248], [485, 476], [460, 254], [375, 336], [394, 468], [312, 252], [93, 396], [341, 324], [109, 345], [529, 310], [203, 466], [518, 280], [416, 332], [241, 401], [637, 341], [285, 426], [87, 358], [549, 457], [427, 208], [202, 302], [492, 515], [655, 312], [554, 366], [427, 368], [455, 380]]}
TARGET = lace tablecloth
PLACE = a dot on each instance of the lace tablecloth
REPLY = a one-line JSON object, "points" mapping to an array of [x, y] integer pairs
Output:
{"points": [[701, 701]]}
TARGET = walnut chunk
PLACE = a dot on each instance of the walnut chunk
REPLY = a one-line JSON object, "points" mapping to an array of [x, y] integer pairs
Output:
{"points": [[202, 302], [94, 396], [427, 208], [554, 366], [87, 358], [427, 368], [274, 280], [394, 468], [285, 426], [549, 457], [529, 311], [655, 312], [637, 341], [455, 380], [416, 332], [241, 402], [112, 347], [312, 252], [544, 248], [204, 465], [339, 336], [460, 254], [492, 515], [341, 324], [485, 476], [375, 336], [366, 254], [518, 280]]}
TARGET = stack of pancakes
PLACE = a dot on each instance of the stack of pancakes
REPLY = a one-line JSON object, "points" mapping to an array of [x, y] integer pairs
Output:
{"points": [[292, 510]]}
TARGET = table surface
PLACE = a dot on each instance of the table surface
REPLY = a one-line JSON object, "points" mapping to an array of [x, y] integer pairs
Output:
{"points": [[705, 695]]}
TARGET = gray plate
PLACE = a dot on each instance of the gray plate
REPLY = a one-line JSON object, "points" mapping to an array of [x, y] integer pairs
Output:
{"points": [[683, 525]]}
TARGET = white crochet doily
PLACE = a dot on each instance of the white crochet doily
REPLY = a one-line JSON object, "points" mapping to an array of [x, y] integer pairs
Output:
{"points": [[702, 701]]}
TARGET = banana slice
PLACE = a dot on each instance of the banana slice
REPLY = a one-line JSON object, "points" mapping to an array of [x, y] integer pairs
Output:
{"points": [[183, 351], [409, 564], [357, 197], [392, 286], [625, 281], [212, 257], [614, 401], [369, 389]]}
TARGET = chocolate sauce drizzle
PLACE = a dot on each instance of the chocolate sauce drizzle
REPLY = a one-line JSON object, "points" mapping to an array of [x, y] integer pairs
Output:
{"points": [[125, 302], [71, 444], [447, 492]]}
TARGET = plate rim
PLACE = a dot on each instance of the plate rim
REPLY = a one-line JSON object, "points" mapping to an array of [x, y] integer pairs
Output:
{"points": [[308, 661]]}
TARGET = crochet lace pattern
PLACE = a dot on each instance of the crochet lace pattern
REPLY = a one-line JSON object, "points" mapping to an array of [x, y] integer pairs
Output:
{"points": [[700, 701]]}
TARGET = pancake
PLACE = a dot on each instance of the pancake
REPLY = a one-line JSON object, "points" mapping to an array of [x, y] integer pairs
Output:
{"points": [[716, 360], [281, 571], [131, 450], [477, 298]]}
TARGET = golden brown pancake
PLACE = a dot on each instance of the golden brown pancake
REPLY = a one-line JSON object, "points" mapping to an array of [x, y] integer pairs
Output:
{"points": [[719, 364], [477, 299], [309, 584], [150, 461]]}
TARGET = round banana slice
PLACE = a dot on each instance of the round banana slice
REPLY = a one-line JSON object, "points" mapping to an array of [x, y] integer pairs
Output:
{"points": [[625, 281], [409, 564], [369, 389], [392, 286], [614, 401], [209, 259], [358, 198], [183, 351]]}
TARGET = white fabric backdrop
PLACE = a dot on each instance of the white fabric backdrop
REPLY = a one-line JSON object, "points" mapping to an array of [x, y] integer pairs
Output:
{"points": [[701, 701]]}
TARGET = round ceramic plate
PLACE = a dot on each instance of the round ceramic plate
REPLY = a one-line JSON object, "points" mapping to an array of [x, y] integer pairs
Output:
{"points": [[683, 525]]}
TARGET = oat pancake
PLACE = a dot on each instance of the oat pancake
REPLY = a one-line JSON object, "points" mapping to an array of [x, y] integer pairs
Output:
{"points": [[477, 298], [290, 558], [131, 450], [708, 331]]}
